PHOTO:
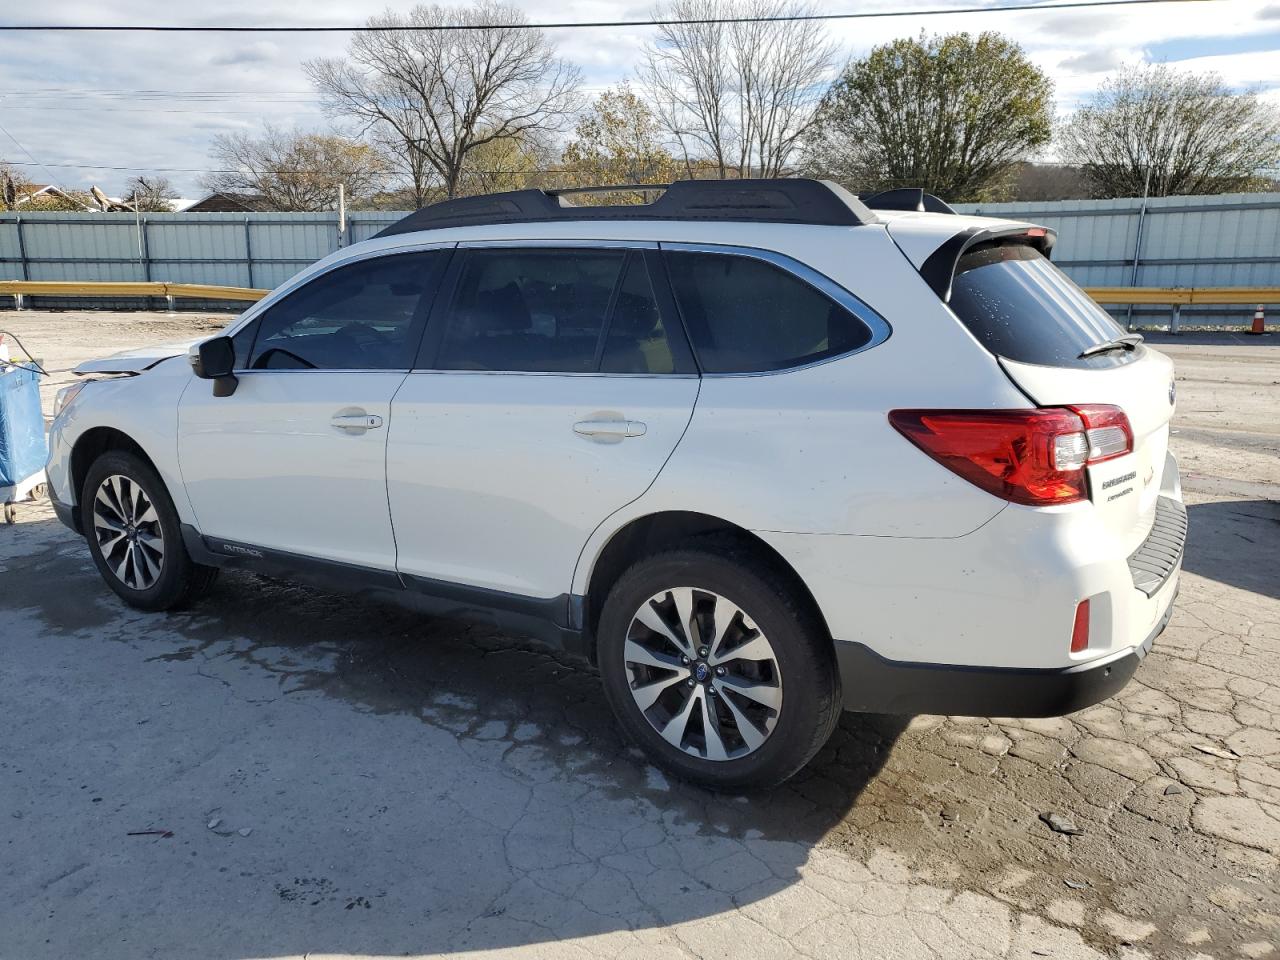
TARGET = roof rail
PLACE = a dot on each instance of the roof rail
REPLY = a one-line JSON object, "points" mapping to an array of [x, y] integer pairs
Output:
{"points": [[781, 200], [905, 198]]}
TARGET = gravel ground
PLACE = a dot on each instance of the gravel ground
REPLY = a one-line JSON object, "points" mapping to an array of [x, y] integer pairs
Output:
{"points": [[331, 777]]}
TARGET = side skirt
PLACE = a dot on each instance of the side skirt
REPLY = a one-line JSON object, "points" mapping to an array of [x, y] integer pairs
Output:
{"points": [[557, 621]]}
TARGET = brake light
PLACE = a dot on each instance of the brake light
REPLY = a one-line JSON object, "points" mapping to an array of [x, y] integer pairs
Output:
{"points": [[1080, 630], [1032, 457]]}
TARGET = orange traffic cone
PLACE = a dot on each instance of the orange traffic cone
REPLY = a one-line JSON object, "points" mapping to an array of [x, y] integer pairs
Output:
{"points": [[1259, 321]]}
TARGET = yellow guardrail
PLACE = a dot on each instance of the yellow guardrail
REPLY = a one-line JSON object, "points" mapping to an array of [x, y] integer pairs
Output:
{"points": [[1176, 297], [1184, 295], [126, 288]]}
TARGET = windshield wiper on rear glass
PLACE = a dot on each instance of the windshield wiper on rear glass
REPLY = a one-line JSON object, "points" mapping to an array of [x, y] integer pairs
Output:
{"points": [[1129, 341]]}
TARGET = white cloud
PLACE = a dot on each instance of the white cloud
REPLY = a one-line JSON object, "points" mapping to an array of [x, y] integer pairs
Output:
{"points": [[261, 51], [246, 80]]}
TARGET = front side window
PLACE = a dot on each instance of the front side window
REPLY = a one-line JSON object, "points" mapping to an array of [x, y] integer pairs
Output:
{"points": [[543, 310], [364, 316], [746, 315]]}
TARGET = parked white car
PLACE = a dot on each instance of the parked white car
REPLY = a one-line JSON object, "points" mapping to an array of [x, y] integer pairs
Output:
{"points": [[758, 449]]}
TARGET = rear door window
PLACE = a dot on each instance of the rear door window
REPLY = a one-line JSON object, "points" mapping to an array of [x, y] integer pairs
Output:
{"points": [[1021, 307], [746, 315], [543, 310]]}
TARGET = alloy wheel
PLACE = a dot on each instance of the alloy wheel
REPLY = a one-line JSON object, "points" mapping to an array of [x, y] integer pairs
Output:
{"points": [[127, 529], [703, 674]]}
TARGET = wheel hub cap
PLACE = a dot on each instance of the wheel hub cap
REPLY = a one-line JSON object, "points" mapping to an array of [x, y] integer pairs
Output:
{"points": [[704, 676], [127, 530]]}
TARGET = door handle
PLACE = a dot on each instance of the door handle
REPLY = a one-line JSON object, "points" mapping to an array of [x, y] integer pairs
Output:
{"points": [[356, 422], [609, 429]]}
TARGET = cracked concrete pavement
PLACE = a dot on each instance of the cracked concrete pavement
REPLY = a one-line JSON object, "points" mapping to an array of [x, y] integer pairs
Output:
{"points": [[283, 772]]}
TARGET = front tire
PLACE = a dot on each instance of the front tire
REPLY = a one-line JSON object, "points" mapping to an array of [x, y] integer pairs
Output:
{"points": [[135, 536], [717, 667]]}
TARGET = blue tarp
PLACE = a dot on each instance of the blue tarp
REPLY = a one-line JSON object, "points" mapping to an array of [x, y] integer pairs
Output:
{"points": [[23, 447]]}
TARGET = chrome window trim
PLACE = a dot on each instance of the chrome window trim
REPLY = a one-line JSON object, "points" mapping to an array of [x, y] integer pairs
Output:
{"points": [[573, 244], [314, 370], [552, 373], [864, 314]]}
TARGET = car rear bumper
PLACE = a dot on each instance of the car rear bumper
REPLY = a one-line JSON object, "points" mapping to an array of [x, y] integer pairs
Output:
{"points": [[873, 684]]}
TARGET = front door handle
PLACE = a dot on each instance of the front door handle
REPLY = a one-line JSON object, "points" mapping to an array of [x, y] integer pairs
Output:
{"points": [[355, 422], [609, 430]]}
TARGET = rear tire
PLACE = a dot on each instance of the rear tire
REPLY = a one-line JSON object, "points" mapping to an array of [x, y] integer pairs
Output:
{"points": [[747, 694], [135, 536]]}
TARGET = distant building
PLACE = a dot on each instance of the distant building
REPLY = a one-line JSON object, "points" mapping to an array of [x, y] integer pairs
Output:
{"points": [[221, 202], [32, 191]]}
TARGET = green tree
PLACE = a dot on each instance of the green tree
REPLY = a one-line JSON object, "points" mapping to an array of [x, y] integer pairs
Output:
{"points": [[1165, 132], [618, 140], [953, 114]]}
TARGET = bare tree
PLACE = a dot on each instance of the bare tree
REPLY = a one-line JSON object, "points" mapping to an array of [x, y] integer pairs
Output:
{"points": [[434, 95], [737, 95], [150, 194], [13, 186], [294, 170], [1166, 132]]}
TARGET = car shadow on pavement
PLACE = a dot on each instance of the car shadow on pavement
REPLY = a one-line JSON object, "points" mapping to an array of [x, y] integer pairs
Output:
{"points": [[331, 775], [1236, 542]]}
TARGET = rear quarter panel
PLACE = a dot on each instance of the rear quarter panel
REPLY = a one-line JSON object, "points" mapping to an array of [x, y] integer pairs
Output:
{"points": [[810, 451]]}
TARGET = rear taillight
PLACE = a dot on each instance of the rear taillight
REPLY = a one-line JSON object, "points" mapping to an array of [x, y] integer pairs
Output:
{"points": [[1033, 457]]}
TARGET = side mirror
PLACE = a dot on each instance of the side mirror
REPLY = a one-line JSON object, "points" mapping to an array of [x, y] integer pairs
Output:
{"points": [[215, 360]]}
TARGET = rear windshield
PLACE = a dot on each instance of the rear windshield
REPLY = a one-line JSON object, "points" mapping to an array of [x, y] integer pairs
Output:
{"points": [[1022, 307]]}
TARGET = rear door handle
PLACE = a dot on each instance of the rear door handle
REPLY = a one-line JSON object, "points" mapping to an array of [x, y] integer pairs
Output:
{"points": [[609, 429], [356, 422]]}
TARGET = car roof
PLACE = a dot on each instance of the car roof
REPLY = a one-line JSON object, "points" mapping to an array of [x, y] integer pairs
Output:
{"points": [[766, 200]]}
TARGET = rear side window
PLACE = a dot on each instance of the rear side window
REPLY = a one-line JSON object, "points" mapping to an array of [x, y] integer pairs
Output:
{"points": [[1021, 307], [749, 316], [557, 311]]}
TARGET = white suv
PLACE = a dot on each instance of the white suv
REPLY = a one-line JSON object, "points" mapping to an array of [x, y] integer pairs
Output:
{"points": [[758, 449]]}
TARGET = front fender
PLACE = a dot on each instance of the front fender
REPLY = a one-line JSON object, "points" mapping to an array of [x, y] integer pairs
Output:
{"points": [[144, 408]]}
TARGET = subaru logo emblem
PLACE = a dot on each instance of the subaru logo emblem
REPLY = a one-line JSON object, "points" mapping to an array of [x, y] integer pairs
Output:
{"points": [[701, 672]]}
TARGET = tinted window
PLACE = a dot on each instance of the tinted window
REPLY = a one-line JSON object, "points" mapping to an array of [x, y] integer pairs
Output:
{"points": [[364, 316], [1020, 306], [637, 342], [555, 311], [747, 315], [531, 310]]}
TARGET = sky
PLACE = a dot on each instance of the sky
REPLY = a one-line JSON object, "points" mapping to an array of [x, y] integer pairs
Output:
{"points": [[75, 106]]}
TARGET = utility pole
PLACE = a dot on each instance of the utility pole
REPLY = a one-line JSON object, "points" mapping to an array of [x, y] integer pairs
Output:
{"points": [[342, 215]]}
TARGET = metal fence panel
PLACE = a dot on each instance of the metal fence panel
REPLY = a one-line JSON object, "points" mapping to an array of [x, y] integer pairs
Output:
{"points": [[1230, 240]]}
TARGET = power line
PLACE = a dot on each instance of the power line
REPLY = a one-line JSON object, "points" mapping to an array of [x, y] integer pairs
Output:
{"points": [[574, 25], [30, 156]]}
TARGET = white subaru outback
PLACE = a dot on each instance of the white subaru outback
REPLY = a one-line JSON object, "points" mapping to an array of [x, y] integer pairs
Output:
{"points": [[758, 449]]}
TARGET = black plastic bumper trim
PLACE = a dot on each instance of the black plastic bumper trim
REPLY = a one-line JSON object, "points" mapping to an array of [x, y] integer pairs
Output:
{"points": [[873, 684], [68, 514], [1153, 563]]}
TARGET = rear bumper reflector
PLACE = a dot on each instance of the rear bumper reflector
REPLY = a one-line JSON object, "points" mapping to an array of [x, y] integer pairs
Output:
{"points": [[1158, 556]]}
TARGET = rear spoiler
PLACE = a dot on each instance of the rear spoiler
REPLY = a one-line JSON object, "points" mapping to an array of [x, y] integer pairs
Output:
{"points": [[940, 269]]}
